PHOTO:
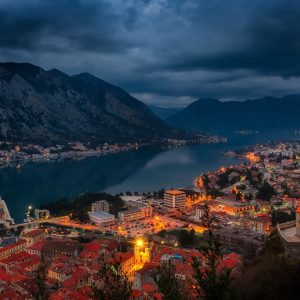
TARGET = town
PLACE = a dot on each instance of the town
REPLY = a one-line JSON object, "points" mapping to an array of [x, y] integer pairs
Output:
{"points": [[244, 203], [12, 153]]}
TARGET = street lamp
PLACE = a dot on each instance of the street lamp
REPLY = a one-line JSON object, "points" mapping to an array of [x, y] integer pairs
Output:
{"points": [[139, 243]]}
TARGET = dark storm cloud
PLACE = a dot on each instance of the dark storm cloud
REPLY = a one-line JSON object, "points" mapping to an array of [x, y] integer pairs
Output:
{"points": [[272, 47], [162, 50], [59, 25]]}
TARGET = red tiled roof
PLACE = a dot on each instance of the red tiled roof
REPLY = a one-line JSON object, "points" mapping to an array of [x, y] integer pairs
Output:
{"points": [[109, 245], [92, 246], [33, 261], [18, 243], [78, 273], [7, 292], [230, 261], [148, 266], [4, 276], [186, 254], [136, 293], [33, 233], [157, 296], [16, 257], [149, 288], [38, 246], [67, 294], [123, 257], [175, 192], [184, 269]]}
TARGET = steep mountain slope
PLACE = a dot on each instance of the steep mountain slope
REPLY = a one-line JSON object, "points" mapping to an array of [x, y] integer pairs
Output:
{"points": [[52, 106], [162, 112], [265, 114]]}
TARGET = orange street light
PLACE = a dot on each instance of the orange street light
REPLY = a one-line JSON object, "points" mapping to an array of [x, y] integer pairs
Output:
{"points": [[140, 242]]}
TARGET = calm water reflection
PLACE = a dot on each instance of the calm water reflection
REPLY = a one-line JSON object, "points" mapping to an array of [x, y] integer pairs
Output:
{"points": [[143, 170]]}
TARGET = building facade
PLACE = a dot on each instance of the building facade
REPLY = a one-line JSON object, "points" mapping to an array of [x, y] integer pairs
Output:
{"points": [[174, 199], [101, 205], [101, 218], [135, 213]]}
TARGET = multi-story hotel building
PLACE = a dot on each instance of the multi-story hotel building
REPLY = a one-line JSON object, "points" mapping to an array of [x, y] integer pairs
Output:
{"points": [[135, 213], [174, 199], [101, 205]]}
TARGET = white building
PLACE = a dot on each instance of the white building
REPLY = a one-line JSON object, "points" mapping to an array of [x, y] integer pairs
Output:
{"points": [[101, 218]]}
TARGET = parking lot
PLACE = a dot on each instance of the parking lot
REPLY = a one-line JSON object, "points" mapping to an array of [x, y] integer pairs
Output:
{"points": [[148, 226]]}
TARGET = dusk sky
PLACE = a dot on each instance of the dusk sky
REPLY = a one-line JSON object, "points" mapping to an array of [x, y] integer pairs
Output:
{"points": [[164, 52]]}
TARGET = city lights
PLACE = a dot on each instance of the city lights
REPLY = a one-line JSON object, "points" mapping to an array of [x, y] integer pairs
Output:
{"points": [[140, 242]]}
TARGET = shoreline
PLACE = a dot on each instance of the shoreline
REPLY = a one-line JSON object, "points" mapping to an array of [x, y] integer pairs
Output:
{"points": [[17, 157]]}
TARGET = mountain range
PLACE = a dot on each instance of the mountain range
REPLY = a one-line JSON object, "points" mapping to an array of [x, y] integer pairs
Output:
{"points": [[164, 112], [40, 105], [264, 114]]}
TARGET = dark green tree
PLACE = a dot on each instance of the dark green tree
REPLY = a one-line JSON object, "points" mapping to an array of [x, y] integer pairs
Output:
{"points": [[187, 237], [171, 287], [272, 275], [41, 292], [211, 281], [114, 283], [265, 191]]}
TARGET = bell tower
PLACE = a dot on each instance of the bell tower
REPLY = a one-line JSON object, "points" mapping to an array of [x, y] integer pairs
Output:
{"points": [[142, 252]]}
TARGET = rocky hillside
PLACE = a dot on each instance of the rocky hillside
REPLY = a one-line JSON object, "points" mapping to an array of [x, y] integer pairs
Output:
{"points": [[39, 105]]}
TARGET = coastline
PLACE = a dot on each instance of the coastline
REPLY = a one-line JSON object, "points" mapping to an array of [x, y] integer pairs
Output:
{"points": [[22, 154]]}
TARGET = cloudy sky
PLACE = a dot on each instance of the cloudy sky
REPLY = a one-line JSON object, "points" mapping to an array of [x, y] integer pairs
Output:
{"points": [[164, 52]]}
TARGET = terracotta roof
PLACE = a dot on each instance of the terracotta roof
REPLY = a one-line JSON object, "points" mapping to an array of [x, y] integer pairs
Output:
{"points": [[92, 246], [157, 296], [18, 243], [17, 257], [38, 246], [148, 267], [149, 288], [175, 192], [184, 269], [34, 260], [33, 233], [136, 293], [123, 257], [109, 245], [7, 292], [67, 294], [230, 261]]}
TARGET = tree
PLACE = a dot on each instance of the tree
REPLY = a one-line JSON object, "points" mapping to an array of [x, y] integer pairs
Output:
{"points": [[41, 292], [211, 281], [114, 283], [171, 287], [265, 191], [162, 233], [186, 237], [271, 275]]}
